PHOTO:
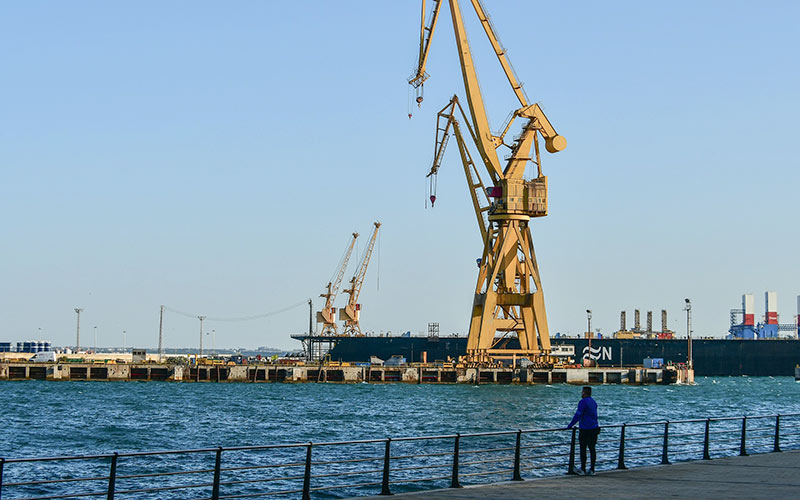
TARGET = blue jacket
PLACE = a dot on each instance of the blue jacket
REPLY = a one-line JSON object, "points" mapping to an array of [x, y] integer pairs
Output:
{"points": [[586, 414]]}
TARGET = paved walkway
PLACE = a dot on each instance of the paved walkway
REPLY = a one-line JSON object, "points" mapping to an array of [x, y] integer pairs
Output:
{"points": [[768, 476]]}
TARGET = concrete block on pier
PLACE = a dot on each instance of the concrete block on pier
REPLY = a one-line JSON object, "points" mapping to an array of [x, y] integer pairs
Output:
{"points": [[237, 373], [119, 372], [577, 376]]}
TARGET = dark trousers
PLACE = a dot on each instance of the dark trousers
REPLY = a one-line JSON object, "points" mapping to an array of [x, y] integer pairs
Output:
{"points": [[588, 438]]}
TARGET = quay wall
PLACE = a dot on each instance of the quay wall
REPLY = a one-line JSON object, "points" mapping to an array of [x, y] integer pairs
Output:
{"points": [[410, 374]]}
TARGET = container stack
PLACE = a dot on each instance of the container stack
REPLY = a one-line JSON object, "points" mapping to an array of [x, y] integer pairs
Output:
{"points": [[34, 346]]}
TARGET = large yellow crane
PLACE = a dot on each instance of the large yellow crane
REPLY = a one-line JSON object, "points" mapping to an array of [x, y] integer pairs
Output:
{"points": [[327, 316], [351, 313], [509, 299]]}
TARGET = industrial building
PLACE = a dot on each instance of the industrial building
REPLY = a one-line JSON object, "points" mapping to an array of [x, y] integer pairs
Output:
{"points": [[743, 321]]}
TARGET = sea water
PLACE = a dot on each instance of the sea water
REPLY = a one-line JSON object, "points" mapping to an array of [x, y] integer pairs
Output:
{"points": [[40, 418]]}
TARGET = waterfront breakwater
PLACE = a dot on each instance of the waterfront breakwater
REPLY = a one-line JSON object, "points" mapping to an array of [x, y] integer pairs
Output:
{"points": [[413, 374]]}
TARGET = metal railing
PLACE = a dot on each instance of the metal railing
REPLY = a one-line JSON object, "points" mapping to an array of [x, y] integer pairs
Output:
{"points": [[385, 466]]}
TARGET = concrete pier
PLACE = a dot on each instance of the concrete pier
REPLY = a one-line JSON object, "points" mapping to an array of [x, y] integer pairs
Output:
{"points": [[411, 374], [768, 476]]}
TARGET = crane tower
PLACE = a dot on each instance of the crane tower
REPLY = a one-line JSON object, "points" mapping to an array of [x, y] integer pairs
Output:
{"points": [[351, 313], [509, 299], [327, 316]]}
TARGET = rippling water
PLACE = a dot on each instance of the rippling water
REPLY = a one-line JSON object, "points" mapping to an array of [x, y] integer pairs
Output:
{"points": [[42, 418], [61, 418]]}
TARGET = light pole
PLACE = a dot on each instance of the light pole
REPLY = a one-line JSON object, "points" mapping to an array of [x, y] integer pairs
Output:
{"points": [[123, 340], [214, 341], [310, 308], [201, 318], [95, 338], [78, 311], [688, 310], [589, 333], [161, 334]]}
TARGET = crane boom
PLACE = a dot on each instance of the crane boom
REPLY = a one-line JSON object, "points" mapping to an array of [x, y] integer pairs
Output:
{"points": [[500, 52], [425, 36], [351, 313], [327, 316], [486, 142], [477, 190]]}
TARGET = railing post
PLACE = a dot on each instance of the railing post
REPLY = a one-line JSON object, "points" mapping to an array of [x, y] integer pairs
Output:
{"points": [[454, 482], [621, 459], [112, 477], [777, 446], [571, 466], [517, 475], [2, 464], [217, 467], [307, 475], [743, 446], [706, 454], [665, 449], [386, 458]]}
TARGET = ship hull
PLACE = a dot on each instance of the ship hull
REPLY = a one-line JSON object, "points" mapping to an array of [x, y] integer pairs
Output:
{"points": [[712, 357]]}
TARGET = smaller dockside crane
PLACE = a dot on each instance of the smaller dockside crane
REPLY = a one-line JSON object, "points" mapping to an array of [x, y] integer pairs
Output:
{"points": [[351, 313], [327, 316]]}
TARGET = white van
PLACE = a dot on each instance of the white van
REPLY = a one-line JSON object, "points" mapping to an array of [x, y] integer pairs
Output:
{"points": [[44, 357]]}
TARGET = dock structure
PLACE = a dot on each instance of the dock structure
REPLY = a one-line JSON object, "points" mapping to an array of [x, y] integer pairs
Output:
{"points": [[412, 374], [767, 476]]}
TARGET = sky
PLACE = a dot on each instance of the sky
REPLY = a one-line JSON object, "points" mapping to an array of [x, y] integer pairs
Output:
{"points": [[214, 157]]}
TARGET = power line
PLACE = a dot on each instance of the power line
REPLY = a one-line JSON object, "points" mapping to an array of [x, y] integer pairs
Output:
{"points": [[238, 318]]}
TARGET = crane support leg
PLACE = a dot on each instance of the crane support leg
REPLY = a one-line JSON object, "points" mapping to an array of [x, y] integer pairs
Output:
{"points": [[508, 296]]}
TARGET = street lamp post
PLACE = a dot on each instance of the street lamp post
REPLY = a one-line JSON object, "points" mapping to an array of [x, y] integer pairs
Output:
{"points": [[201, 318], [688, 309], [78, 311], [124, 340], [95, 338], [589, 333], [310, 308]]}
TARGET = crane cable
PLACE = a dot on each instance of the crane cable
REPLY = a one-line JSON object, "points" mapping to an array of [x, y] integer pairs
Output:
{"points": [[239, 318], [379, 262]]}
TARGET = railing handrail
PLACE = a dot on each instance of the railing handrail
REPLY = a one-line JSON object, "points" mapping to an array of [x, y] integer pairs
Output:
{"points": [[378, 440]]}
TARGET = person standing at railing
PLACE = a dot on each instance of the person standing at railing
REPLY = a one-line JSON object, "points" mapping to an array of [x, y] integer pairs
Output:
{"points": [[588, 429]]}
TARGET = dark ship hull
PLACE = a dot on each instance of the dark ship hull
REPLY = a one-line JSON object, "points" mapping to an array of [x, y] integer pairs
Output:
{"points": [[714, 357]]}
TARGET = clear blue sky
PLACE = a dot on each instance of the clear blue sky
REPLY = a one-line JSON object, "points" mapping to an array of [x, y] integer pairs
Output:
{"points": [[215, 156]]}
